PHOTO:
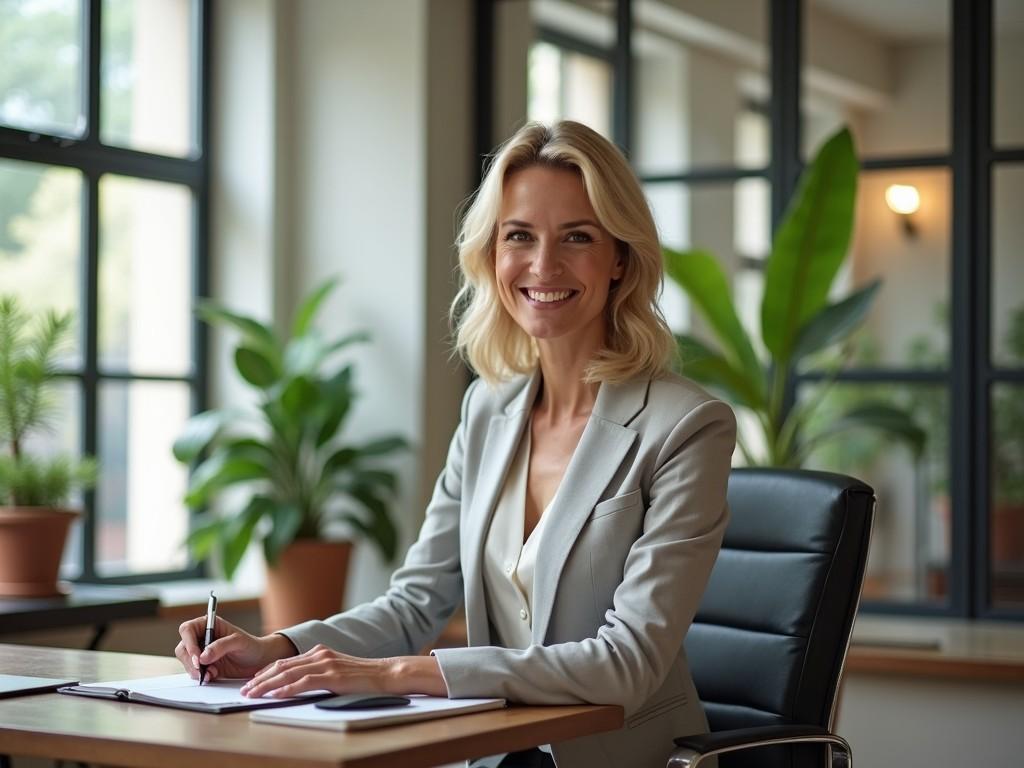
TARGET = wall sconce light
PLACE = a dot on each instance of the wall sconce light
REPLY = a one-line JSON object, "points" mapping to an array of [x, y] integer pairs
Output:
{"points": [[904, 200]]}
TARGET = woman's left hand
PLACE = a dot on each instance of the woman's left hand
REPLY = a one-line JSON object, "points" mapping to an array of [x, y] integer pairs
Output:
{"points": [[319, 668]]}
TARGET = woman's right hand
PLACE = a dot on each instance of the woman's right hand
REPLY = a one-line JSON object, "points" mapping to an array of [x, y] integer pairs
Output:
{"points": [[234, 654]]}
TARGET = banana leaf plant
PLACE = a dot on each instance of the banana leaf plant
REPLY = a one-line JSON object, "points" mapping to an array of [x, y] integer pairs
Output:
{"points": [[797, 319], [286, 452]]}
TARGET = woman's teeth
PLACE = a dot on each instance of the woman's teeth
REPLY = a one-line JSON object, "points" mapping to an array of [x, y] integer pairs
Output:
{"points": [[546, 297]]}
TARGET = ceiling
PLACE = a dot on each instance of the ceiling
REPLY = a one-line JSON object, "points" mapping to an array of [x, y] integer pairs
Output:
{"points": [[915, 19]]}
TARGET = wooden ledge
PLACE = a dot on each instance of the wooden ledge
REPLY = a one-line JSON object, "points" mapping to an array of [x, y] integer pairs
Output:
{"points": [[182, 600], [938, 649]]}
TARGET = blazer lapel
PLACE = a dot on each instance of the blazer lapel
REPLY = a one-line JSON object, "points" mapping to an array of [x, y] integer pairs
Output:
{"points": [[602, 447], [503, 435]]}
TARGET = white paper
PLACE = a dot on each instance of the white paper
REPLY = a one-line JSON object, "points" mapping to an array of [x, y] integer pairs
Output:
{"points": [[182, 688], [420, 708]]}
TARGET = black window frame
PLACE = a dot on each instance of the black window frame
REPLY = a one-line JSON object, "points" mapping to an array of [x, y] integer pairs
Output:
{"points": [[971, 160], [93, 159]]}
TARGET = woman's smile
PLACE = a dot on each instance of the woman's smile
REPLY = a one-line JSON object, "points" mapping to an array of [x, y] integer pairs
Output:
{"points": [[548, 298]]}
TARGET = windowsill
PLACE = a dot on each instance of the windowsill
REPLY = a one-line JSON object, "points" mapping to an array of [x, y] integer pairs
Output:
{"points": [[938, 648], [180, 600]]}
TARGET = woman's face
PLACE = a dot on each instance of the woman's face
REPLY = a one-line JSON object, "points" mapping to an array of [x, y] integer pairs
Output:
{"points": [[554, 262]]}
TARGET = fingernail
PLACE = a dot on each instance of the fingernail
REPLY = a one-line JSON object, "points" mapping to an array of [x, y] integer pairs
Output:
{"points": [[195, 661]]}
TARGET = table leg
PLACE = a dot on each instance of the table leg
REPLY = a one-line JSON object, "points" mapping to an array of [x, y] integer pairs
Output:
{"points": [[97, 638], [5, 761]]}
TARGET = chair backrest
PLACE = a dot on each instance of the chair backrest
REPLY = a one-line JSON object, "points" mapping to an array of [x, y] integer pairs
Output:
{"points": [[769, 641]]}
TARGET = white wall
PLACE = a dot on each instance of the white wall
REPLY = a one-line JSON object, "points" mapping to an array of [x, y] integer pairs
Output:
{"points": [[329, 162], [919, 723]]}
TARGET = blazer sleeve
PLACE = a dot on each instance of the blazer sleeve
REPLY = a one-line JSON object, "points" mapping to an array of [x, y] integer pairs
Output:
{"points": [[665, 574], [423, 593]]}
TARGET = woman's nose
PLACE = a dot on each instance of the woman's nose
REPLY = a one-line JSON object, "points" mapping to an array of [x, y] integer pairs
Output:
{"points": [[546, 262]]}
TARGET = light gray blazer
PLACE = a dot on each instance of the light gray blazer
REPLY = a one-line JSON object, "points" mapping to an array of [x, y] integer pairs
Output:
{"points": [[635, 529]]}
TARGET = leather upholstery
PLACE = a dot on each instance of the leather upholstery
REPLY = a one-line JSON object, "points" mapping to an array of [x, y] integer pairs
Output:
{"points": [[770, 636]]}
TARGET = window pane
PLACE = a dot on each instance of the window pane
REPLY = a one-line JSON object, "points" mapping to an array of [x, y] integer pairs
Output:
{"points": [[569, 72], [1008, 42], [702, 85], [41, 65], [1007, 266], [141, 520], [1007, 515], [145, 276], [40, 226], [732, 221], [910, 546], [146, 79], [881, 68], [908, 325]]}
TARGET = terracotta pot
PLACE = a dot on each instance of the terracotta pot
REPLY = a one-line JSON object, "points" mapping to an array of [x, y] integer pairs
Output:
{"points": [[1008, 533], [307, 582], [31, 545]]}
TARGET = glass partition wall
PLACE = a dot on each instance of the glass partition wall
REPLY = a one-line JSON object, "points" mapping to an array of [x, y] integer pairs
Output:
{"points": [[718, 106]]}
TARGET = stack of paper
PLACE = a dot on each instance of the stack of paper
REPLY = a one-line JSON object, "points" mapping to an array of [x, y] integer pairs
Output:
{"points": [[419, 708]]}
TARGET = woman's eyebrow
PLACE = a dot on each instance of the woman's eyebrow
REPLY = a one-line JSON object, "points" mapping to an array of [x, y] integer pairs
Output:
{"points": [[567, 225]]}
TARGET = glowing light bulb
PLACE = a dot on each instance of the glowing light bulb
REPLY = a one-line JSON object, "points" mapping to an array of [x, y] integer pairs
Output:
{"points": [[902, 198]]}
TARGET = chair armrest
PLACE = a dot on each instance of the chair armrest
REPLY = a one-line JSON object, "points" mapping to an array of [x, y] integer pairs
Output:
{"points": [[693, 749]]}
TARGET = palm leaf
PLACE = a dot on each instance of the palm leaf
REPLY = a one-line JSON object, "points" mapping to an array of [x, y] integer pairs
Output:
{"points": [[701, 276], [810, 245]]}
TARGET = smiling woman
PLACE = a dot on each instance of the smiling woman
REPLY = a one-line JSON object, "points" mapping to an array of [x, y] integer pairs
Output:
{"points": [[568, 180], [583, 501]]}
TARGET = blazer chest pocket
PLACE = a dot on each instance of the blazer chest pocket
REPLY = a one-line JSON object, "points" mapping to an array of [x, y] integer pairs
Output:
{"points": [[608, 536], [631, 500]]}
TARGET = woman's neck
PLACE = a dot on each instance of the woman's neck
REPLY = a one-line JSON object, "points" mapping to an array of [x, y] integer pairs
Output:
{"points": [[564, 395]]}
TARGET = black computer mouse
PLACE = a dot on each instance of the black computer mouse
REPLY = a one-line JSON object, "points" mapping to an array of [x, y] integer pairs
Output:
{"points": [[363, 701]]}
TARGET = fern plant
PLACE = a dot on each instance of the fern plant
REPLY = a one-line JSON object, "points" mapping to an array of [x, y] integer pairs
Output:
{"points": [[28, 350]]}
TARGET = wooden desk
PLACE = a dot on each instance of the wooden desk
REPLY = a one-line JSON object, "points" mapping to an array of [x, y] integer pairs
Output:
{"points": [[114, 733], [85, 605]]}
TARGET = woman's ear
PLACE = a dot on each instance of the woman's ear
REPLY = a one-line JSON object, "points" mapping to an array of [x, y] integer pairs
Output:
{"points": [[619, 267]]}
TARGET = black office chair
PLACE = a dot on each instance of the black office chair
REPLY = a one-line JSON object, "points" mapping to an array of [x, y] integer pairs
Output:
{"points": [[769, 641]]}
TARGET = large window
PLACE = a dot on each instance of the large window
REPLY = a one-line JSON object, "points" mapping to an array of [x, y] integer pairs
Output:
{"points": [[718, 105], [103, 213]]}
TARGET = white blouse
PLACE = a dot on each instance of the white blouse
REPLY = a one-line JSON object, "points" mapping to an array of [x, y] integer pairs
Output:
{"points": [[508, 561]]}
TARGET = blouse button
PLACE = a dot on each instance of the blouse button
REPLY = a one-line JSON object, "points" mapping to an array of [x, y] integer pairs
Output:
{"points": [[523, 614], [508, 569]]}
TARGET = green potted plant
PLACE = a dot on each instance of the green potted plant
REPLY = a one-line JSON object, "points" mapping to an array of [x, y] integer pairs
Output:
{"points": [[1007, 534], [797, 320], [34, 490], [287, 455]]}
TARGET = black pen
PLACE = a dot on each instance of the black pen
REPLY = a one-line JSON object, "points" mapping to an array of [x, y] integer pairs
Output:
{"points": [[211, 621]]}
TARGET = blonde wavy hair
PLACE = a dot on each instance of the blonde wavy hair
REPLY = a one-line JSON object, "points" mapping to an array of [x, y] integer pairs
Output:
{"points": [[639, 342]]}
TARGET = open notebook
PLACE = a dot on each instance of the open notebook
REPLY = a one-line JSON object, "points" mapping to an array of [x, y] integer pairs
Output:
{"points": [[182, 692], [420, 708]]}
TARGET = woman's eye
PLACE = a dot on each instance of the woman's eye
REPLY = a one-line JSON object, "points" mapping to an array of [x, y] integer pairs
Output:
{"points": [[579, 237], [517, 236]]}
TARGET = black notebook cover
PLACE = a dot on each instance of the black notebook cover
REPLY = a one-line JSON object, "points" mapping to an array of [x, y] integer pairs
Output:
{"points": [[20, 685]]}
